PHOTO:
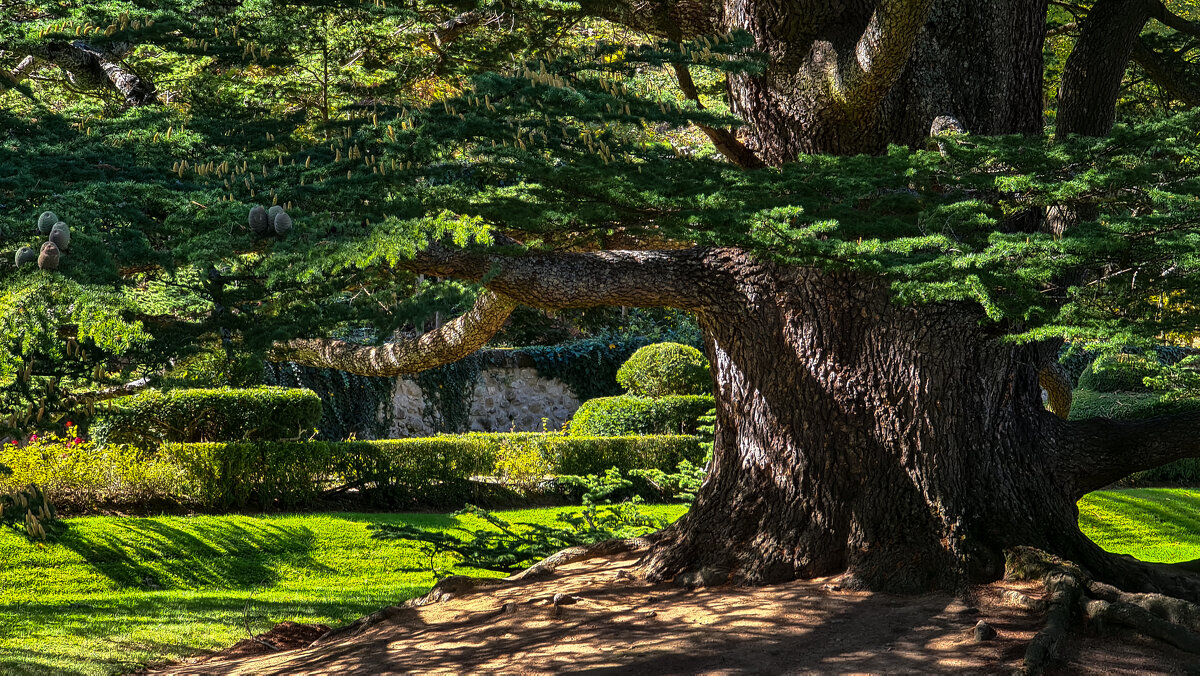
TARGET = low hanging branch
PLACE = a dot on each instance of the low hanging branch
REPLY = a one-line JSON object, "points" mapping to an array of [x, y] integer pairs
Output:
{"points": [[92, 68], [453, 341]]}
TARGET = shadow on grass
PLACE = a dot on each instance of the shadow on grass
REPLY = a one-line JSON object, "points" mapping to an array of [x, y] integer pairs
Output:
{"points": [[153, 554], [125, 632]]}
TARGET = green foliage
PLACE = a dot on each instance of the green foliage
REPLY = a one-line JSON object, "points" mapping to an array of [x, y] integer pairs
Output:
{"points": [[665, 369], [262, 475], [224, 414], [1119, 373], [523, 462], [1180, 380], [616, 416], [418, 471], [25, 507], [508, 547], [81, 476], [350, 403]]}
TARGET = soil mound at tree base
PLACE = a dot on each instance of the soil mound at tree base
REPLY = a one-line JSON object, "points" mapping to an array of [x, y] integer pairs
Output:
{"points": [[605, 621]]}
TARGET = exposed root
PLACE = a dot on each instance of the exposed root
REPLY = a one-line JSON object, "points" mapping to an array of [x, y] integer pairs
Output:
{"points": [[1072, 594], [546, 566]]}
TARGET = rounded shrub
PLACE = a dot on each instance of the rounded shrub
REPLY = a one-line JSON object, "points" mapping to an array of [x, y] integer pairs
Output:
{"points": [[1119, 373], [664, 369], [150, 418], [618, 416]]}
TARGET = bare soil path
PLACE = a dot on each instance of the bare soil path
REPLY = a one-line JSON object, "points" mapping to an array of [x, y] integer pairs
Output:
{"points": [[607, 622]]}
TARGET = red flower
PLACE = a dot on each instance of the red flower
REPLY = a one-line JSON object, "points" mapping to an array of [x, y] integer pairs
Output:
{"points": [[77, 440], [69, 423], [13, 442], [33, 437]]}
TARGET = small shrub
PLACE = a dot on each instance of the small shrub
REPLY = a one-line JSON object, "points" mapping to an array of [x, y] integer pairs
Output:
{"points": [[79, 475], [616, 416], [1119, 373], [523, 463], [664, 369], [226, 414]]}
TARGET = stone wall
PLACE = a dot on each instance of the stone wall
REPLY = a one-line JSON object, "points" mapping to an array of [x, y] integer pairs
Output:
{"points": [[510, 398]]}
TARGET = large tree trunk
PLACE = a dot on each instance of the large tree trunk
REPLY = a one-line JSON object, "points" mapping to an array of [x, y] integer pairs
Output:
{"points": [[906, 447], [824, 92]]}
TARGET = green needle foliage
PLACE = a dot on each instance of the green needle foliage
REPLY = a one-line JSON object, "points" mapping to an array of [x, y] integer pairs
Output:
{"points": [[528, 131]]}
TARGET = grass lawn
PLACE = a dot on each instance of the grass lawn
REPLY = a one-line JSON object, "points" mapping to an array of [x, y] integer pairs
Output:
{"points": [[1151, 524], [116, 593]]}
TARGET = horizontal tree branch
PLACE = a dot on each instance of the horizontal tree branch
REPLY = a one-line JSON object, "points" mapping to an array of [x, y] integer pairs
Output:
{"points": [[1169, 71], [659, 278], [1096, 452], [452, 341]]}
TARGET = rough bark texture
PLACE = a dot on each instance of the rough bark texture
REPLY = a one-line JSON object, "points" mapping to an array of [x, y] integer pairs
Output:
{"points": [[856, 435], [450, 342], [1092, 75], [91, 68]]}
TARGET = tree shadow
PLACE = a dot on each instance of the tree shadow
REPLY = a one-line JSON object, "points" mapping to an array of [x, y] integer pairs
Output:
{"points": [[149, 554]]}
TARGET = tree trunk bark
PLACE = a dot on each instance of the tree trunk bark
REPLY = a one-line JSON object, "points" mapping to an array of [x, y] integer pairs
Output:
{"points": [[906, 447], [979, 62]]}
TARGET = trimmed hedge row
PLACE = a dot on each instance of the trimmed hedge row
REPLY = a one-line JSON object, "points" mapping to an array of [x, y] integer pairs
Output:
{"points": [[626, 414], [150, 418], [430, 470]]}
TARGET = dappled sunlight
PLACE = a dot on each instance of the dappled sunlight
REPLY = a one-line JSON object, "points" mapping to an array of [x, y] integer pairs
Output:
{"points": [[1160, 525]]}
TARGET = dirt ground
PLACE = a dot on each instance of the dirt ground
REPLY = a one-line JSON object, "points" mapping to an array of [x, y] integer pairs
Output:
{"points": [[605, 622]]}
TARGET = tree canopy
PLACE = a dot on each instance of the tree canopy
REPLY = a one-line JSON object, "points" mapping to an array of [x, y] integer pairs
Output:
{"points": [[396, 135]]}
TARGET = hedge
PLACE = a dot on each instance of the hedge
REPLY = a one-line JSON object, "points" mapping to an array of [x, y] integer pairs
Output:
{"points": [[1119, 373], [1139, 406], [617, 416], [428, 470], [150, 418], [665, 369]]}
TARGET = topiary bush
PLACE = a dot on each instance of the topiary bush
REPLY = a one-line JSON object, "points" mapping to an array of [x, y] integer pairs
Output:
{"points": [[1119, 373], [664, 369], [150, 418], [616, 416]]}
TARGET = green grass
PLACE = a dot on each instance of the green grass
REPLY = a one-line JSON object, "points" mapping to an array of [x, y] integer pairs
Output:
{"points": [[1151, 524], [116, 593]]}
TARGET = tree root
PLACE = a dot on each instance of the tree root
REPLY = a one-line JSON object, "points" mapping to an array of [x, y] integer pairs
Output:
{"points": [[546, 566], [1073, 595]]}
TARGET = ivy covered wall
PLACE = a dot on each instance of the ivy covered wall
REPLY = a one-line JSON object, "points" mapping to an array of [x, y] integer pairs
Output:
{"points": [[494, 390]]}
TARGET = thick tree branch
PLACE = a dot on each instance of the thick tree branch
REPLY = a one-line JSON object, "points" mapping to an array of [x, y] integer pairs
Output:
{"points": [[725, 140], [671, 19], [1094, 453], [882, 52], [1169, 71], [93, 68], [565, 280], [1093, 72], [1160, 13], [453, 341]]}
